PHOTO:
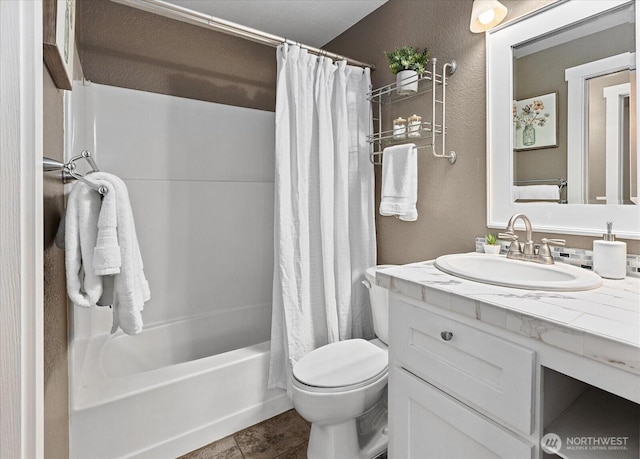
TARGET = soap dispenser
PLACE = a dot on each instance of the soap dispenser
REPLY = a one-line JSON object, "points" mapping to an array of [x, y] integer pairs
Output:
{"points": [[610, 256]]}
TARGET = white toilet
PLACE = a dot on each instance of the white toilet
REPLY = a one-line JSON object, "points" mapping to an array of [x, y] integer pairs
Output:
{"points": [[341, 389]]}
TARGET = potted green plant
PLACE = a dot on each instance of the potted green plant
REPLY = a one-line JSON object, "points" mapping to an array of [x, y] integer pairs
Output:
{"points": [[491, 245], [407, 63]]}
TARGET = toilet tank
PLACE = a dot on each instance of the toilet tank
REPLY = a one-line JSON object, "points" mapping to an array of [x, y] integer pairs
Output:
{"points": [[379, 303]]}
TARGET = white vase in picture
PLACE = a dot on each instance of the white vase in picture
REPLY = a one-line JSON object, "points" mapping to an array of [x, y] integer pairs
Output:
{"points": [[407, 82], [492, 249]]}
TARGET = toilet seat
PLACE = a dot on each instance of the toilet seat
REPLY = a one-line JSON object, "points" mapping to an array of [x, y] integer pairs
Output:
{"points": [[341, 366]]}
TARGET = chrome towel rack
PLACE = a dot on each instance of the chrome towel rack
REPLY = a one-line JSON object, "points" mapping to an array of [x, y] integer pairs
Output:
{"points": [[69, 171], [426, 131], [554, 181], [448, 68]]}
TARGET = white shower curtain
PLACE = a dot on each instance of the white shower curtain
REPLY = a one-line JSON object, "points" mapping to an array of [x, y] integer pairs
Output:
{"points": [[324, 215]]}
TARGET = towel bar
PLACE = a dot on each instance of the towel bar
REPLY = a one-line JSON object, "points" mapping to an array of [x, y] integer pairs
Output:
{"points": [[560, 182], [68, 170]]}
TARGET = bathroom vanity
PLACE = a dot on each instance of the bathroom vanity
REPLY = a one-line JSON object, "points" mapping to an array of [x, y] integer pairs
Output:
{"points": [[485, 371]]}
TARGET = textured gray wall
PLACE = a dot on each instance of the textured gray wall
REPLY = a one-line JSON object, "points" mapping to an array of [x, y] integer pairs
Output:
{"points": [[126, 47], [452, 199]]}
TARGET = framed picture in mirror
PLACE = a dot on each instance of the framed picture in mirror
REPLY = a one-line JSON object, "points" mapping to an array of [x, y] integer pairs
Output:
{"points": [[535, 122]]}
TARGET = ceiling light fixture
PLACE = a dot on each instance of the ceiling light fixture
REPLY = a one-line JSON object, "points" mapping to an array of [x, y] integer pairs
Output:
{"points": [[486, 14]]}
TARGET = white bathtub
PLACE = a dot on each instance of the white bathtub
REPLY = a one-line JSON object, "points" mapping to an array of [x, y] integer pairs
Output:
{"points": [[173, 388]]}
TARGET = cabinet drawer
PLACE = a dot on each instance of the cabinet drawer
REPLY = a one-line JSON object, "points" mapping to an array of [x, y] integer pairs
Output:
{"points": [[488, 373], [426, 423]]}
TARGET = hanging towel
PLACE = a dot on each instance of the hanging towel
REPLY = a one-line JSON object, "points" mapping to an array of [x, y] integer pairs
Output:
{"points": [[400, 182], [84, 287], [127, 287], [536, 193], [106, 254]]}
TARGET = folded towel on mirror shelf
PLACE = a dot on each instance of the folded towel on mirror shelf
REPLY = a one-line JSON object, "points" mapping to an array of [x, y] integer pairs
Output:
{"points": [[400, 182], [536, 193]]}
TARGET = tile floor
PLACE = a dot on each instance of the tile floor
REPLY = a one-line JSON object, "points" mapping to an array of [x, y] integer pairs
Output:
{"points": [[283, 437]]}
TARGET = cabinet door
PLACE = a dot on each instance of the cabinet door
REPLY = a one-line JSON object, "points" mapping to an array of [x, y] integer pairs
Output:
{"points": [[488, 373], [426, 423]]}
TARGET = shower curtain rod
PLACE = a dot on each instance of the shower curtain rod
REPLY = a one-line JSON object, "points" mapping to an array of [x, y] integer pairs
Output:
{"points": [[179, 13]]}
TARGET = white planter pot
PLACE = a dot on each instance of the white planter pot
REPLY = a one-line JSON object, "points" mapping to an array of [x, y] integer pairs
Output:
{"points": [[407, 82], [492, 249]]}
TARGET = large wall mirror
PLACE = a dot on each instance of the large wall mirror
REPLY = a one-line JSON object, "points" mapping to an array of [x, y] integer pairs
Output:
{"points": [[561, 119]]}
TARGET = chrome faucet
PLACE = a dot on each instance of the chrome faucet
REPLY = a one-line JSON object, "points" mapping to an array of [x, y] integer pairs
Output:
{"points": [[527, 251]]}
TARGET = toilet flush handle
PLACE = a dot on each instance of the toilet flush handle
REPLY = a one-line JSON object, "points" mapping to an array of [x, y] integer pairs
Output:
{"points": [[366, 283], [446, 335]]}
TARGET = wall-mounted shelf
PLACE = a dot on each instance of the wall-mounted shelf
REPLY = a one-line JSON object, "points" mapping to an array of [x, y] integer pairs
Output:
{"points": [[388, 94], [428, 132], [387, 138]]}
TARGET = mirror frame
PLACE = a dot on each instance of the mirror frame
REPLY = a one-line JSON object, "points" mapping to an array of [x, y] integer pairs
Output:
{"points": [[578, 219]]}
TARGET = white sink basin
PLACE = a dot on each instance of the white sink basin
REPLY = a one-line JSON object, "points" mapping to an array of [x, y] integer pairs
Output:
{"points": [[499, 270]]}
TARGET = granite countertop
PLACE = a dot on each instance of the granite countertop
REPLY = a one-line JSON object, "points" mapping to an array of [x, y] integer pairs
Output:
{"points": [[601, 324]]}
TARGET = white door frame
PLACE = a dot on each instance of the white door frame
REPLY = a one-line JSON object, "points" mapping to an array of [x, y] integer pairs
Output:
{"points": [[577, 101], [21, 241], [614, 96]]}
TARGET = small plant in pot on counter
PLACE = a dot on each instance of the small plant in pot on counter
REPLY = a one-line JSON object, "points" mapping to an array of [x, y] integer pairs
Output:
{"points": [[491, 245], [407, 63]]}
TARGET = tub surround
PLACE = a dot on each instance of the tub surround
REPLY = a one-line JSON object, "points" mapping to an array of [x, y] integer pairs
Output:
{"points": [[174, 387], [137, 135], [600, 324]]}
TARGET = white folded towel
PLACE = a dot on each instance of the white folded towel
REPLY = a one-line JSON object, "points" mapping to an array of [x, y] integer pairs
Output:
{"points": [[128, 287], [400, 182], [106, 255], [103, 261], [536, 193], [84, 287]]}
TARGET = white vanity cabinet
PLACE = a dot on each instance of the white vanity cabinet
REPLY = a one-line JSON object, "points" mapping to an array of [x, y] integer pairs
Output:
{"points": [[473, 379], [456, 391], [425, 422]]}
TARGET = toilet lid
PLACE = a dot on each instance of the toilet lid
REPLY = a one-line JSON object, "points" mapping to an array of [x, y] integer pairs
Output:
{"points": [[344, 363]]}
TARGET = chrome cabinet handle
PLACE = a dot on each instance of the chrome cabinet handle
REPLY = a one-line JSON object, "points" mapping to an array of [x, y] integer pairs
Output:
{"points": [[446, 335]]}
